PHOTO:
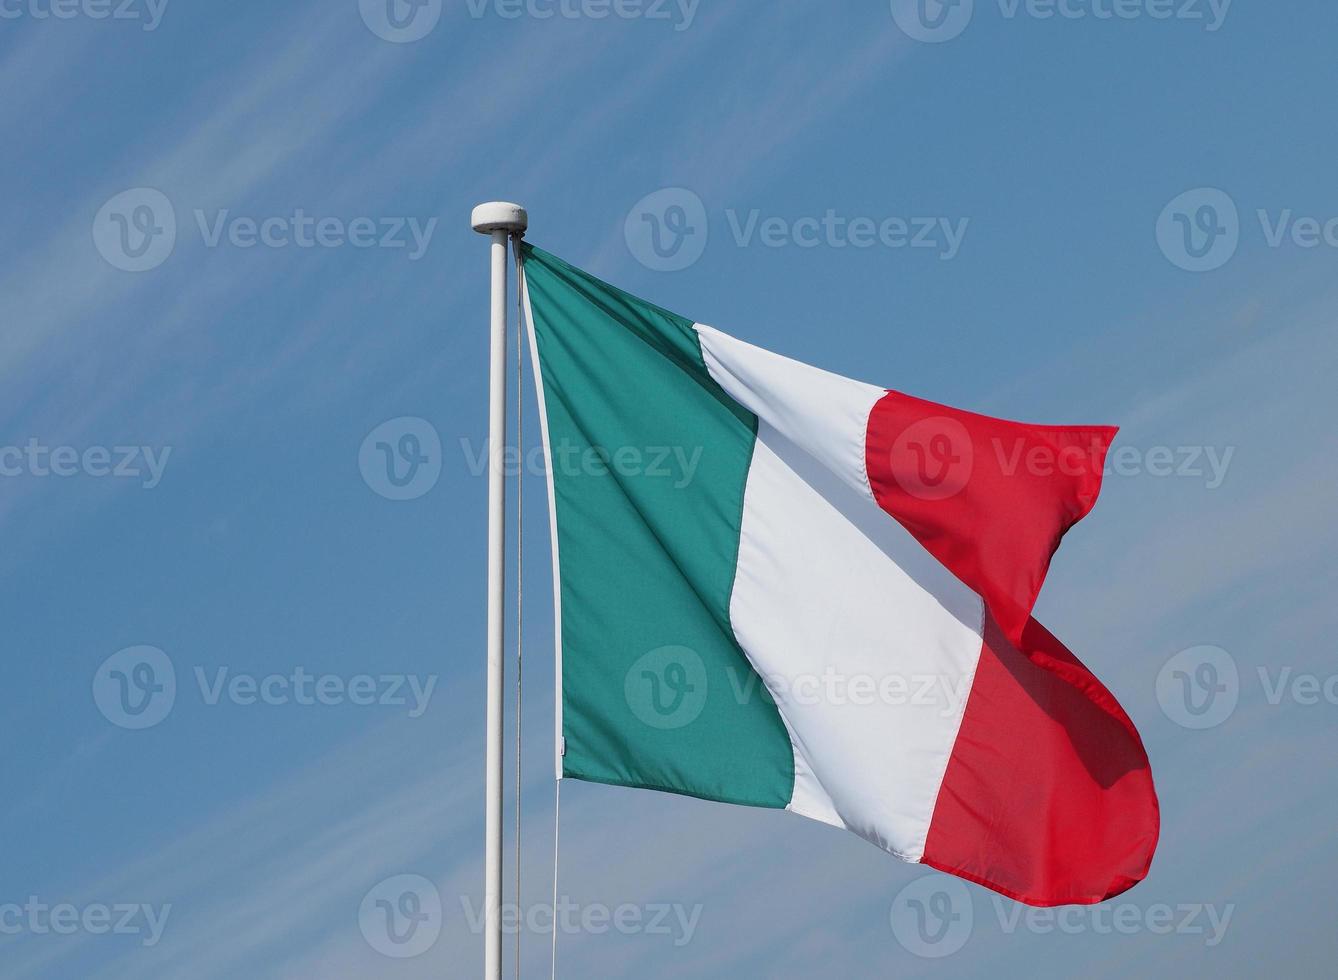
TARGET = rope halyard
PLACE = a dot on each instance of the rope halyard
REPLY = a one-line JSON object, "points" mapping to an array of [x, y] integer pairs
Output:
{"points": [[557, 835], [557, 783]]}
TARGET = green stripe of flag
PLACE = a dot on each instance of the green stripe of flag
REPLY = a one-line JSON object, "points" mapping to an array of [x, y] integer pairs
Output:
{"points": [[656, 692]]}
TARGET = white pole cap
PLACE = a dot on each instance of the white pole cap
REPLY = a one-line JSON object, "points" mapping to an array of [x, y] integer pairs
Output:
{"points": [[499, 216]]}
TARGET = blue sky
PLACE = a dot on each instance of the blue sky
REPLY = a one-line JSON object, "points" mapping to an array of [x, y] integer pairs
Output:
{"points": [[1072, 149]]}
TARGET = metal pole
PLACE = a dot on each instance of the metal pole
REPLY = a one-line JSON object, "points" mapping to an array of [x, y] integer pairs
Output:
{"points": [[499, 220]]}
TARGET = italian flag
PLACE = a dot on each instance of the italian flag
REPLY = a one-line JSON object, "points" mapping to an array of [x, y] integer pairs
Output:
{"points": [[779, 587]]}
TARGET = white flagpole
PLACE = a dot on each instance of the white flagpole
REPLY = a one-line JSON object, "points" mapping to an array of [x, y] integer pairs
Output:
{"points": [[500, 220]]}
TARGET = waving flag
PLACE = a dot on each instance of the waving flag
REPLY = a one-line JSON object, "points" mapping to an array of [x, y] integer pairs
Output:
{"points": [[779, 587]]}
